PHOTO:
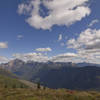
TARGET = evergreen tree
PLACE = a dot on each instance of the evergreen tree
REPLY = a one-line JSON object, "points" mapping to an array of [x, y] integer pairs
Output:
{"points": [[38, 85], [44, 87], [14, 86], [5, 86]]}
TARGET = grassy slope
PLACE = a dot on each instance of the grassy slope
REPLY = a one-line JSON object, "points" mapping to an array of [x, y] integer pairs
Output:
{"points": [[4, 72], [8, 82], [48, 94], [29, 84]]}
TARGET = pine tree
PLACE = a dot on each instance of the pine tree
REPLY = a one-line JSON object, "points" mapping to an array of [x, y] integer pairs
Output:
{"points": [[14, 86], [38, 85], [5, 86]]}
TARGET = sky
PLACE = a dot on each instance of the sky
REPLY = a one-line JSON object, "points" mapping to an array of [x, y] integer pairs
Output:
{"points": [[42, 30]]}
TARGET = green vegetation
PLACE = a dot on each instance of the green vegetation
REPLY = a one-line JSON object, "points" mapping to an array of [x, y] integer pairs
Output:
{"points": [[4, 72], [7, 82], [38, 86], [47, 94]]}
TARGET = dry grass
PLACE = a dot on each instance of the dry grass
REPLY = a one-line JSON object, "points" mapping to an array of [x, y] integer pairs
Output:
{"points": [[48, 94]]}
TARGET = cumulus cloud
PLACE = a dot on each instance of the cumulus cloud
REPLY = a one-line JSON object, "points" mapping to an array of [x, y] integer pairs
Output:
{"points": [[66, 57], [3, 59], [3, 45], [62, 12], [88, 40], [38, 57], [93, 22], [60, 37], [87, 45], [44, 49], [77, 58]]}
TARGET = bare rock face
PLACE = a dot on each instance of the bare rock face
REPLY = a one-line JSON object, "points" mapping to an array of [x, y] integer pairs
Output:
{"points": [[12, 65]]}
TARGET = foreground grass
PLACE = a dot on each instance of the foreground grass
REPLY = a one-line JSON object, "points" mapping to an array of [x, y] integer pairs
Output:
{"points": [[48, 94], [7, 82]]}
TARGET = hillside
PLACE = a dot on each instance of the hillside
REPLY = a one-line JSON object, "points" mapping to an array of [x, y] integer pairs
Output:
{"points": [[9, 80], [84, 78], [7, 73]]}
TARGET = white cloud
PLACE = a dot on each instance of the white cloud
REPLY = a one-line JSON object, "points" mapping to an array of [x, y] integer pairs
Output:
{"points": [[60, 37], [77, 57], [3, 45], [19, 37], [89, 39], [93, 22], [44, 49], [87, 45], [62, 12], [3, 59], [38, 57], [66, 57], [23, 8]]}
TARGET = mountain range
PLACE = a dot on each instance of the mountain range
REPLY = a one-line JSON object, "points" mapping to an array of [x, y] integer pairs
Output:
{"points": [[82, 76]]}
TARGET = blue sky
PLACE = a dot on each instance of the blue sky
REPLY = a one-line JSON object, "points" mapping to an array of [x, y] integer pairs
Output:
{"points": [[23, 37]]}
